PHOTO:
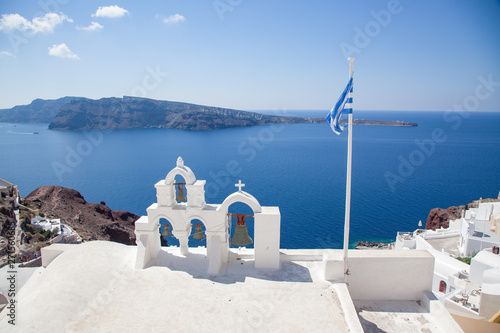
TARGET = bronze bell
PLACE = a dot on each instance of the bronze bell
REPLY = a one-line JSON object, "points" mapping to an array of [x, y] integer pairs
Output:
{"points": [[180, 193], [198, 233], [166, 231], [241, 237]]}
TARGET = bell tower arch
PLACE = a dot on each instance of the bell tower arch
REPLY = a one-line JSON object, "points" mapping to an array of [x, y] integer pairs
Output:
{"points": [[214, 219]]}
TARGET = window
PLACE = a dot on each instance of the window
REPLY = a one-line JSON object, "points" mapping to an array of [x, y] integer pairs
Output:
{"points": [[442, 287]]}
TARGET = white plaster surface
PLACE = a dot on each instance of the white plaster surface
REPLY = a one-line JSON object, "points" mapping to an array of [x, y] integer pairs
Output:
{"points": [[403, 316], [94, 288], [449, 244], [389, 275], [23, 274]]}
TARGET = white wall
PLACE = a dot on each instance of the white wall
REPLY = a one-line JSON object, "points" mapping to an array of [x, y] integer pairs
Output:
{"points": [[445, 266], [490, 295], [401, 242], [483, 261], [478, 244], [389, 275], [267, 238]]}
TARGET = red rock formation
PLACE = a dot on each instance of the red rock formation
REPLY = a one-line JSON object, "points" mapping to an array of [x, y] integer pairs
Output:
{"points": [[439, 217], [91, 220]]}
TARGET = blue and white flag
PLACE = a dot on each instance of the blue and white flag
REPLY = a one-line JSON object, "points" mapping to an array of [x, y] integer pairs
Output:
{"points": [[344, 105]]}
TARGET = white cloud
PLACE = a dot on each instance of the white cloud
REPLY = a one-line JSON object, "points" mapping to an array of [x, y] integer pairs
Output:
{"points": [[62, 51], [174, 19], [6, 54], [110, 11], [94, 26], [40, 24], [10, 22], [47, 23]]}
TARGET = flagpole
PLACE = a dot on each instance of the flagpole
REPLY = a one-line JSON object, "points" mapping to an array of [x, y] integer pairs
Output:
{"points": [[348, 187]]}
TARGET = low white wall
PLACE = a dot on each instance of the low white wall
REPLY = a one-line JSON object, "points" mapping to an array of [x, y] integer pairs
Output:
{"points": [[302, 254], [404, 243], [389, 275], [49, 253], [350, 313], [459, 310], [443, 234]]}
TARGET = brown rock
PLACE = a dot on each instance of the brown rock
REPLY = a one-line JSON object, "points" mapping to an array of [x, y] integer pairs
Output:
{"points": [[7, 217], [439, 217], [92, 220]]}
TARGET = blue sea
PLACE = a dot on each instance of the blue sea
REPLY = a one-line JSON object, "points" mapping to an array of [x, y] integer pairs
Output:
{"points": [[398, 173]]}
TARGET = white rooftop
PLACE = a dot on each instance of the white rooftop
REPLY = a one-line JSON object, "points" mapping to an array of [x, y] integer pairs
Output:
{"points": [[447, 244], [93, 287]]}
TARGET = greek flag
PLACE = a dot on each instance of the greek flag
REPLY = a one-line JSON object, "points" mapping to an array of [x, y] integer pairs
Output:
{"points": [[344, 105]]}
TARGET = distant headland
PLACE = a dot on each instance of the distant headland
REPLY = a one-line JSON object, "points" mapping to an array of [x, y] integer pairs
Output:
{"points": [[79, 113]]}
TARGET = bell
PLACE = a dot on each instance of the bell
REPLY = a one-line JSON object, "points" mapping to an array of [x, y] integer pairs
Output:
{"points": [[180, 194], [198, 233], [241, 237], [166, 231]]}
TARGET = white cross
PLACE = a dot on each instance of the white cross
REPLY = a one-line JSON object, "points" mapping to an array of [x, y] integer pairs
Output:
{"points": [[239, 185]]}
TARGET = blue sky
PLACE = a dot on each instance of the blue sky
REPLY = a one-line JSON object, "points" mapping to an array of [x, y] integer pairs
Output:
{"points": [[254, 55]]}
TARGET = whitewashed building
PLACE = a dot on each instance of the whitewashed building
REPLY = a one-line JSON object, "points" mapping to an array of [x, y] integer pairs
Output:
{"points": [[65, 234], [46, 224], [478, 228], [470, 291]]}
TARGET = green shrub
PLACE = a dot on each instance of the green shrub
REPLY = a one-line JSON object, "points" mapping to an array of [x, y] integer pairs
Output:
{"points": [[467, 259], [464, 259], [46, 235]]}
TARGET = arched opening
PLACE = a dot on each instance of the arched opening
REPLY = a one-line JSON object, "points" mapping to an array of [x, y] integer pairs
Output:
{"points": [[167, 238], [240, 219], [180, 189], [197, 237], [442, 287]]}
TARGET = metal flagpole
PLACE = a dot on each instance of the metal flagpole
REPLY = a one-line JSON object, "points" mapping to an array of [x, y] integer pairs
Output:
{"points": [[348, 186]]}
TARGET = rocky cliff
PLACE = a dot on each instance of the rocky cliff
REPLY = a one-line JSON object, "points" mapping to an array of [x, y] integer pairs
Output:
{"points": [[38, 111], [7, 217], [91, 220], [440, 218], [134, 112]]}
